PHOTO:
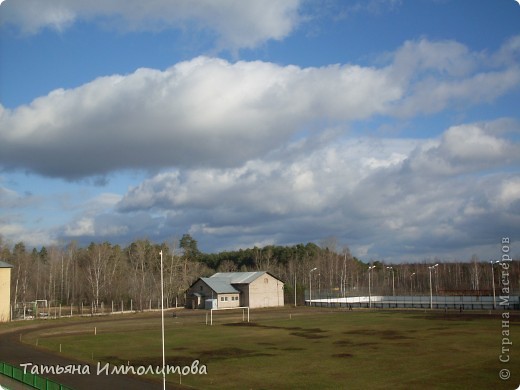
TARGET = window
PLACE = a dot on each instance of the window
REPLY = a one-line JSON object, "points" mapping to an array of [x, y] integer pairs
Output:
{"points": [[201, 288], [222, 299], [226, 299], [266, 280]]}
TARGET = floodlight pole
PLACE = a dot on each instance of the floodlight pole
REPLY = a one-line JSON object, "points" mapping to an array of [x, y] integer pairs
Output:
{"points": [[411, 284], [431, 292], [295, 289], [310, 285], [162, 324], [493, 278], [369, 287], [393, 284]]}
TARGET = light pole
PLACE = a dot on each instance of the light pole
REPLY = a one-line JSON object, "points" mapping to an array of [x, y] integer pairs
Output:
{"points": [[393, 284], [162, 324], [411, 286], [493, 279], [431, 292], [319, 285], [369, 287], [295, 289], [310, 285]]}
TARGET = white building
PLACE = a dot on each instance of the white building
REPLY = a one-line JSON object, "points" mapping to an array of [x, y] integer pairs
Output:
{"points": [[5, 291], [235, 289]]}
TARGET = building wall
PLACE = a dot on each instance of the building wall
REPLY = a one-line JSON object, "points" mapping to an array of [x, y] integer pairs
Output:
{"points": [[228, 300], [223, 300], [201, 288], [244, 293], [5, 294], [266, 291]]}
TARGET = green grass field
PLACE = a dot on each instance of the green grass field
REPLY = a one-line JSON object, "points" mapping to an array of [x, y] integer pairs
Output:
{"points": [[304, 348]]}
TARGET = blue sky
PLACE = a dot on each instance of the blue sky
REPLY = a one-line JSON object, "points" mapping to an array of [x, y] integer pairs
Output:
{"points": [[390, 125]]}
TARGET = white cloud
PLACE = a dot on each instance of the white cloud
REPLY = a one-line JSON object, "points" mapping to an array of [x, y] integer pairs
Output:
{"points": [[508, 193], [436, 75], [466, 148], [201, 112], [11, 199], [238, 24], [305, 182], [80, 228], [210, 112], [428, 57], [12, 230]]}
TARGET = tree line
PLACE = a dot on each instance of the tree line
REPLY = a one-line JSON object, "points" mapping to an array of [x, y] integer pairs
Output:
{"points": [[103, 272]]}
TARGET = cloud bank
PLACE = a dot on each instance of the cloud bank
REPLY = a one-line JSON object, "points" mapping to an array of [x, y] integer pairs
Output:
{"points": [[385, 197], [208, 112]]}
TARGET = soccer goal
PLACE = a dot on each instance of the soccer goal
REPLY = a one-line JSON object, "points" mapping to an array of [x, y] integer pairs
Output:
{"points": [[243, 308]]}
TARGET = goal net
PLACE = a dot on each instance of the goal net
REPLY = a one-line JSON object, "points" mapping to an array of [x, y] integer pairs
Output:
{"points": [[240, 313]]}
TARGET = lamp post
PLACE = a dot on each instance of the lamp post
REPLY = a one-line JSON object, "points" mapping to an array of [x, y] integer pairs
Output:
{"points": [[493, 279], [369, 287], [162, 324], [295, 289], [411, 286], [431, 292], [310, 285], [393, 284], [319, 285]]}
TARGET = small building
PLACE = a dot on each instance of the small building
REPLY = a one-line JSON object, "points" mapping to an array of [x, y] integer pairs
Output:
{"points": [[236, 289], [5, 291]]}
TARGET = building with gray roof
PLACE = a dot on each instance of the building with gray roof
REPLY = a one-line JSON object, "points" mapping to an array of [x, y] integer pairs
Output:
{"points": [[236, 289]]}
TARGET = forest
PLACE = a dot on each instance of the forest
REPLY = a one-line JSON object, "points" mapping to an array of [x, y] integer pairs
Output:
{"points": [[102, 273]]}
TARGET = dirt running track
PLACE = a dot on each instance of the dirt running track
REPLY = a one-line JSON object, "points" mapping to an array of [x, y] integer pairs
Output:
{"points": [[15, 353]]}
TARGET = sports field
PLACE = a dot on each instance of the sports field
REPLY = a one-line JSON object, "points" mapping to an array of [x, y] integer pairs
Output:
{"points": [[302, 348]]}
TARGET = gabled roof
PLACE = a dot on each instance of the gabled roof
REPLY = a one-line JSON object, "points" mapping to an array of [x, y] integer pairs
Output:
{"points": [[5, 265], [222, 282], [240, 277], [220, 286]]}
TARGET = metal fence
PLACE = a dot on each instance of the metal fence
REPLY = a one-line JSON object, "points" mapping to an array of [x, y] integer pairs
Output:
{"points": [[33, 380], [421, 302], [49, 309]]}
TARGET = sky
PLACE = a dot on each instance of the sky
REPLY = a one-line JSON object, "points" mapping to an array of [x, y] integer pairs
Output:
{"points": [[388, 126]]}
